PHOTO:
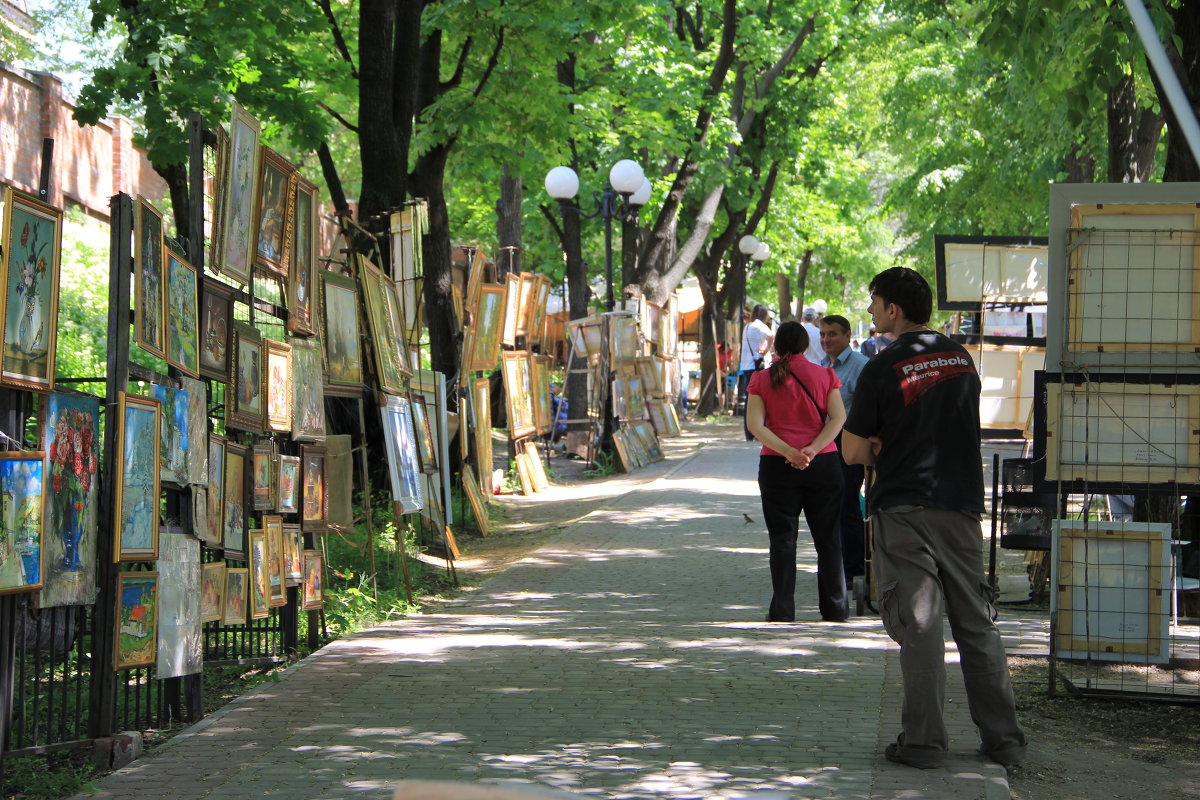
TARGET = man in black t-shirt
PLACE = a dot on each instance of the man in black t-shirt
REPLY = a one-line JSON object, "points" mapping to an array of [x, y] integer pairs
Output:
{"points": [[916, 420]]}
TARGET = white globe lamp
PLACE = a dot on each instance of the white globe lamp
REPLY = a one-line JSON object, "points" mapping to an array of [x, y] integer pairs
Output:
{"points": [[562, 183], [762, 252], [626, 176], [748, 244], [642, 195]]}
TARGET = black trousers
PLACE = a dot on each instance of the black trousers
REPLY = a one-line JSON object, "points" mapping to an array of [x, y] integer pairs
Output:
{"points": [[817, 491], [853, 547]]}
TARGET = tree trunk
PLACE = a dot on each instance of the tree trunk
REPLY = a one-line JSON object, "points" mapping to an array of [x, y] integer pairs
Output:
{"points": [[630, 235], [383, 134], [1122, 112], [444, 341], [177, 187], [577, 279], [802, 276], [1079, 166], [508, 222], [707, 402], [1149, 131], [1180, 165], [784, 292]]}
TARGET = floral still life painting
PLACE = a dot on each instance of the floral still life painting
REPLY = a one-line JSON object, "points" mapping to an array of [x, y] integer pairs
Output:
{"points": [[29, 291], [137, 619], [71, 438], [20, 521]]}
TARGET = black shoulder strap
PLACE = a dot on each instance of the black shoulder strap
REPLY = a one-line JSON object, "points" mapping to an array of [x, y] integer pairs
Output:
{"points": [[806, 390]]}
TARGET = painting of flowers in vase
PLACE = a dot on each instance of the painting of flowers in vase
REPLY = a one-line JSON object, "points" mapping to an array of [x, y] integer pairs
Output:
{"points": [[71, 439]]}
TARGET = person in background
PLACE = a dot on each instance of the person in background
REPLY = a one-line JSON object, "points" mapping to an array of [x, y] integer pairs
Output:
{"points": [[916, 419], [870, 345], [795, 410], [813, 353], [846, 364], [559, 410], [756, 343]]}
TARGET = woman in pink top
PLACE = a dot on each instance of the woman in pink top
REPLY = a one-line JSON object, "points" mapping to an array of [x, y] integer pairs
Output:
{"points": [[796, 411]]}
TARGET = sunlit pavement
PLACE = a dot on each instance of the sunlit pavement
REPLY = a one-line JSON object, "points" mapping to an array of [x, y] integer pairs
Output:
{"points": [[626, 658]]}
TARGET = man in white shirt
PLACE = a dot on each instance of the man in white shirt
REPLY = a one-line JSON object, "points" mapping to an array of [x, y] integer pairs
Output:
{"points": [[756, 347], [814, 352]]}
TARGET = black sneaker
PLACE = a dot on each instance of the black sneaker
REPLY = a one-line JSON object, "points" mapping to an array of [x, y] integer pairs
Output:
{"points": [[918, 757]]}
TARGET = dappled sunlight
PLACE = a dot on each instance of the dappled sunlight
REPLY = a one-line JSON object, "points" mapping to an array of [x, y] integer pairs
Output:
{"points": [[714, 486]]}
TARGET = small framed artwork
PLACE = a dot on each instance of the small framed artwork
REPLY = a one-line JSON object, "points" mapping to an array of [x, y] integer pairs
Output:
{"points": [[343, 356], [525, 302], [212, 590], [279, 385], [71, 440], [425, 448], [215, 502], [524, 473], [481, 411], [308, 393], [183, 329], [302, 268], [137, 457], [293, 546], [387, 331], [485, 333], [539, 396], [137, 620], [233, 515], [518, 388], [478, 507], [240, 223], [312, 494], [623, 340], [29, 292], [148, 278], [512, 309], [259, 559], [312, 594], [623, 453], [216, 328], [262, 471], [537, 316], [220, 198], [401, 444], [244, 405], [275, 208], [174, 434], [276, 560], [537, 468], [287, 496], [197, 423], [233, 600], [475, 275], [650, 371], [22, 498]]}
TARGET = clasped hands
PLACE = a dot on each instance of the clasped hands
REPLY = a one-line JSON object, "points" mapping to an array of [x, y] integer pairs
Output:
{"points": [[799, 458]]}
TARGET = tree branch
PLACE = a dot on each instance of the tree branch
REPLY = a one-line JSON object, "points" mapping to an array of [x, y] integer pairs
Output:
{"points": [[549, 215], [491, 65], [459, 68], [339, 41], [345, 122], [764, 198]]}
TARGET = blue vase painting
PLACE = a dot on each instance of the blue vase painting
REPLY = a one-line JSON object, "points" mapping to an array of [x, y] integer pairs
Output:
{"points": [[71, 441]]}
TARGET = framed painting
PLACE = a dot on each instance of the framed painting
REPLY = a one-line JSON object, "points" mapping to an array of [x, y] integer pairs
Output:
{"points": [[401, 444], [339, 483], [293, 546], [524, 473], [244, 405], [180, 633], [481, 411], [658, 416], [239, 223], [525, 303], [302, 267], [587, 337], [29, 292], [312, 595], [650, 371], [623, 339], [277, 182], [197, 422], [233, 599], [262, 477], [216, 329], [386, 329], [343, 356], [475, 275], [537, 315], [220, 195], [174, 434], [22, 521], [279, 386], [277, 559], [512, 308], [622, 445], [233, 508], [539, 396], [396, 311], [636, 398], [137, 620], [485, 333], [308, 394], [212, 591], [137, 459], [149, 279], [649, 441], [259, 559], [183, 328], [537, 468], [313, 500], [518, 389], [405, 244], [214, 502], [71, 441], [475, 498], [287, 496], [424, 432]]}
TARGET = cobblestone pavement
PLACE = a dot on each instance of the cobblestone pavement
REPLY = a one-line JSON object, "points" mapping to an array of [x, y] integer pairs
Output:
{"points": [[626, 658]]}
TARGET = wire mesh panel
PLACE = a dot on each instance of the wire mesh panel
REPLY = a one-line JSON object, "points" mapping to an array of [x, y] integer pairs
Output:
{"points": [[52, 675]]}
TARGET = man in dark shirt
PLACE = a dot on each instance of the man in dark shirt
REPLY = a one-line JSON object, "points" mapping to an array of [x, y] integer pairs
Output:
{"points": [[916, 419]]}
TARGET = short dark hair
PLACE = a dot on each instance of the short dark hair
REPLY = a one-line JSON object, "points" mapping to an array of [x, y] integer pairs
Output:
{"points": [[836, 319], [906, 288], [760, 312], [790, 340]]}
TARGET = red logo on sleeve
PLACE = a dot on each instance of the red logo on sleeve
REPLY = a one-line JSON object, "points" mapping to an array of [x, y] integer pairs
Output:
{"points": [[919, 374]]}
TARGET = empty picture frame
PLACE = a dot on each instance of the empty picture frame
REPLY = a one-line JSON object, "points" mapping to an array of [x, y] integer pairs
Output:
{"points": [[1006, 379], [1112, 590], [239, 223], [973, 270], [149, 279]]}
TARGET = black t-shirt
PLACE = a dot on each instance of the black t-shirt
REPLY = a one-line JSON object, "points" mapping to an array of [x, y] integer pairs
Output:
{"points": [[920, 395]]}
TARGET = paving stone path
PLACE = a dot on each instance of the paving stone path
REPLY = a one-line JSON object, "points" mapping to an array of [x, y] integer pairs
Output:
{"points": [[626, 658]]}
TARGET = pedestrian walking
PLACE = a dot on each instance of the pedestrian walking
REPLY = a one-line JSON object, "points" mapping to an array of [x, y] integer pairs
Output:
{"points": [[916, 419], [795, 409], [756, 345]]}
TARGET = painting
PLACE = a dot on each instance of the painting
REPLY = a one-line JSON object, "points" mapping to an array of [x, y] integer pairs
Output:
{"points": [[425, 448], [401, 444], [539, 380], [174, 432], [485, 334], [525, 303], [220, 197], [71, 441], [475, 499], [239, 223], [537, 468], [586, 337], [233, 599], [635, 397], [262, 477], [302, 268], [197, 422], [216, 328], [475, 274], [622, 445], [287, 497], [276, 560], [312, 489], [214, 503], [258, 556], [658, 417], [148, 279], [512, 309], [137, 620], [481, 410], [29, 292], [386, 327], [518, 389], [244, 404], [623, 340], [343, 357], [339, 483], [524, 473], [137, 458], [293, 547], [308, 394], [405, 257], [233, 508], [645, 434], [21, 520], [180, 636], [183, 331], [212, 591], [275, 208], [650, 371], [537, 314], [312, 595]]}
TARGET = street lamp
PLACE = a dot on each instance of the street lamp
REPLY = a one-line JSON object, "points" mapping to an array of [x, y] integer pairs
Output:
{"points": [[627, 190]]}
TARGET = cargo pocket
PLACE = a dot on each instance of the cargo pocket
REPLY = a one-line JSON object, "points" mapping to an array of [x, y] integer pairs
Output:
{"points": [[989, 598], [890, 613]]}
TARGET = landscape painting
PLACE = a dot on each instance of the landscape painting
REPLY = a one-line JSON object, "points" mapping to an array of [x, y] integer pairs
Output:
{"points": [[21, 521], [183, 329], [137, 619], [148, 279], [137, 459], [239, 223]]}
